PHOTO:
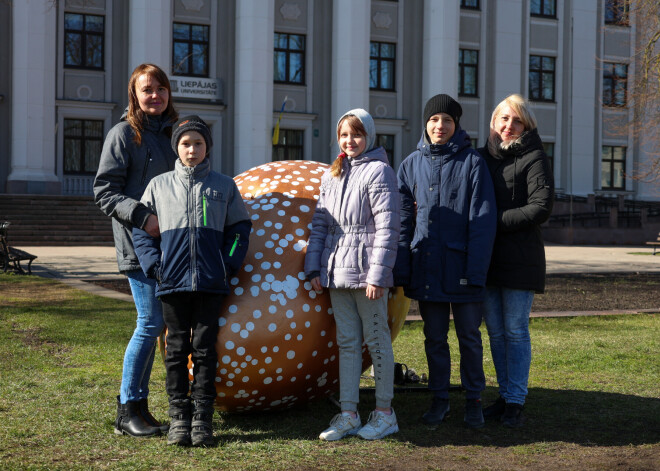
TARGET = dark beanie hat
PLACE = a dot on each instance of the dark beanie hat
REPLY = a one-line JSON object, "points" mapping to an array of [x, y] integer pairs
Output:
{"points": [[191, 123], [442, 104]]}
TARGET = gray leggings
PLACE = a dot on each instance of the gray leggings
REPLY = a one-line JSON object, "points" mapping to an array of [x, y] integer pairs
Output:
{"points": [[357, 316]]}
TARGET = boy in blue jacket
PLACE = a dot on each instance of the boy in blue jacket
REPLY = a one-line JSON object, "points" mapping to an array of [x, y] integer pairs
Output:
{"points": [[447, 232], [204, 231]]}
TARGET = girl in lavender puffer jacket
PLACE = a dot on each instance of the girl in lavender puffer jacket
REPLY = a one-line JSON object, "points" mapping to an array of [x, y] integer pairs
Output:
{"points": [[352, 249]]}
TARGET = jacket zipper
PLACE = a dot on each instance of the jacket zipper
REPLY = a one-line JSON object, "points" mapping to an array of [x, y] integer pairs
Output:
{"points": [[146, 167], [191, 226]]}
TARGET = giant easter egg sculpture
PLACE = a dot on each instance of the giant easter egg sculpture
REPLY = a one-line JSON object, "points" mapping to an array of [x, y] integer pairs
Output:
{"points": [[276, 343]]}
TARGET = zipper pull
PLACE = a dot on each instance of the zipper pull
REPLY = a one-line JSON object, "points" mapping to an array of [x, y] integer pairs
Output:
{"points": [[204, 208], [233, 247]]}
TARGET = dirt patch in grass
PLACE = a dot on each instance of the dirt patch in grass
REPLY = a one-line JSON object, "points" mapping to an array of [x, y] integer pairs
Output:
{"points": [[32, 294], [593, 292]]}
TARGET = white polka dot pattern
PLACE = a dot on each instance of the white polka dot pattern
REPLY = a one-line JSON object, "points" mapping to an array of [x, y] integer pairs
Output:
{"points": [[276, 333]]}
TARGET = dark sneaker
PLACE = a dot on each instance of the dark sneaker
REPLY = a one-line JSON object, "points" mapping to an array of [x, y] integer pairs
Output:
{"points": [[513, 416], [474, 418], [438, 411], [495, 410]]}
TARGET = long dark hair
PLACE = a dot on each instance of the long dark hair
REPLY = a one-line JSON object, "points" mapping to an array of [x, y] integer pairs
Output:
{"points": [[135, 116]]}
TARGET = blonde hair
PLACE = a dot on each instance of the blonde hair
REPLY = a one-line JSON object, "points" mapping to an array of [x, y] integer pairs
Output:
{"points": [[135, 115], [356, 126], [521, 107]]}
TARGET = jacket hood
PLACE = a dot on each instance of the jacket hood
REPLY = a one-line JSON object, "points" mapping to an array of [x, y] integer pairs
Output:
{"points": [[152, 123], [368, 123], [459, 141], [529, 141], [377, 154], [200, 170]]}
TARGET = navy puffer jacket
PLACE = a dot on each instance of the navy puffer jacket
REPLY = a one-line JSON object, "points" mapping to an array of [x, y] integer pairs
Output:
{"points": [[447, 222]]}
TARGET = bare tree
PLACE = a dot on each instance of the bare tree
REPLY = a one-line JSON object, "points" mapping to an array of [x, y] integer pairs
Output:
{"points": [[645, 89]]}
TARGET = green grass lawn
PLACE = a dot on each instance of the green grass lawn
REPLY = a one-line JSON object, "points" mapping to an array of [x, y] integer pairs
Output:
{"points": [[594, 400]]}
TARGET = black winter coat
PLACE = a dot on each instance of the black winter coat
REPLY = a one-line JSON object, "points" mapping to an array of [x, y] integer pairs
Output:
{"points": [[524, 192]]}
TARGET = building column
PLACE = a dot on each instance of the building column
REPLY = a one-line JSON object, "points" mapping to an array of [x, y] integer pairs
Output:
{"points": [[351, 31], [149, 33], [253, 110], [440, 48], [507, 55], [33, 99], [584, 151]]}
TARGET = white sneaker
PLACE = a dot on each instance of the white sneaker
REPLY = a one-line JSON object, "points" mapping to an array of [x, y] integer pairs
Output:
{"points": [[380, 425], [340, 426]]}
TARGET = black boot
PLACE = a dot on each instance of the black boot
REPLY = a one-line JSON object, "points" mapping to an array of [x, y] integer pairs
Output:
{"points": [[150, 419], [179, 433], [130, 422], [495, 410], [202, 423], [438, 411]]}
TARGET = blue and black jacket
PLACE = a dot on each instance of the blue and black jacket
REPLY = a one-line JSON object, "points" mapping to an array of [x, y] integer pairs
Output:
{"points": [[448, 222], [204, 230]]}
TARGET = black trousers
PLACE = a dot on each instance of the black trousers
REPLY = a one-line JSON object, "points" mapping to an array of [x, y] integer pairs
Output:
{"points": [[467, 319], [192, 328]]}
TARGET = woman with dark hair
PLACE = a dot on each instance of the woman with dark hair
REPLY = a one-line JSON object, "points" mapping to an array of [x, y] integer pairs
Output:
{"points": [[136, 150], [524, 192]]}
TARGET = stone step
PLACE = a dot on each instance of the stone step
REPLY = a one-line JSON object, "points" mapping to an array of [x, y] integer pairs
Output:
{"points": [[44, 220]]}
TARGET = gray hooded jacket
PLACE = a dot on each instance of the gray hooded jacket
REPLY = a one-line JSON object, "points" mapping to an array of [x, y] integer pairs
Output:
{"points": [[356, 224], [124, 171]]}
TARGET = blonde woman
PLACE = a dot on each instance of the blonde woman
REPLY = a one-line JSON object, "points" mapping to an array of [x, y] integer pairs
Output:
{"points": [[524, 192]]}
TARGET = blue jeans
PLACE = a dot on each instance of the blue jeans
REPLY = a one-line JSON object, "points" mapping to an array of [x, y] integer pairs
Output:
{"points": [[467, 319], [141, 348], [507, 321]]}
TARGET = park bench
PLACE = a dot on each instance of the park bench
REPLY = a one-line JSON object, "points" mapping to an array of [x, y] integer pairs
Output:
{"points": [[11, 257], [655, 243]]}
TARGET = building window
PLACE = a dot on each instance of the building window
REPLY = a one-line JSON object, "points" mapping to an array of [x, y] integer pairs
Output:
{"points": [[549, 149], [541, 78], [615, 84], [289, 146], [612, 168], [83, 140], [474, 142], [471, 4], [83, 40], [616, 12], [381, 66], [386, 141], [547, 8], [190, 52], [289, 59], [468, 67]]}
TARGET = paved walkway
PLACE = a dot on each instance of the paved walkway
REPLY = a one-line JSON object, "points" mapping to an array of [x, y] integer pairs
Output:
{"points": [[74, 264]]}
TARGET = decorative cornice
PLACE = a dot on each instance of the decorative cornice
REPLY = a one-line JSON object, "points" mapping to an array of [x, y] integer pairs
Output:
{"points": [[290, 11]]}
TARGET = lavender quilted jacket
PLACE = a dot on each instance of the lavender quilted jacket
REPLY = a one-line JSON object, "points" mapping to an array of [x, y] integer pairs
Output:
{"points": [[356, 225]]}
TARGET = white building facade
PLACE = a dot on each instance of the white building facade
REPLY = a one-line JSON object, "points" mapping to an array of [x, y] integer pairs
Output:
{"points": [[245, 65]]}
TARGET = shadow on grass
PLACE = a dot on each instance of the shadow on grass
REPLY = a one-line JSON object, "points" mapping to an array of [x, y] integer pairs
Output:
{"points": [[586, 418]]}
